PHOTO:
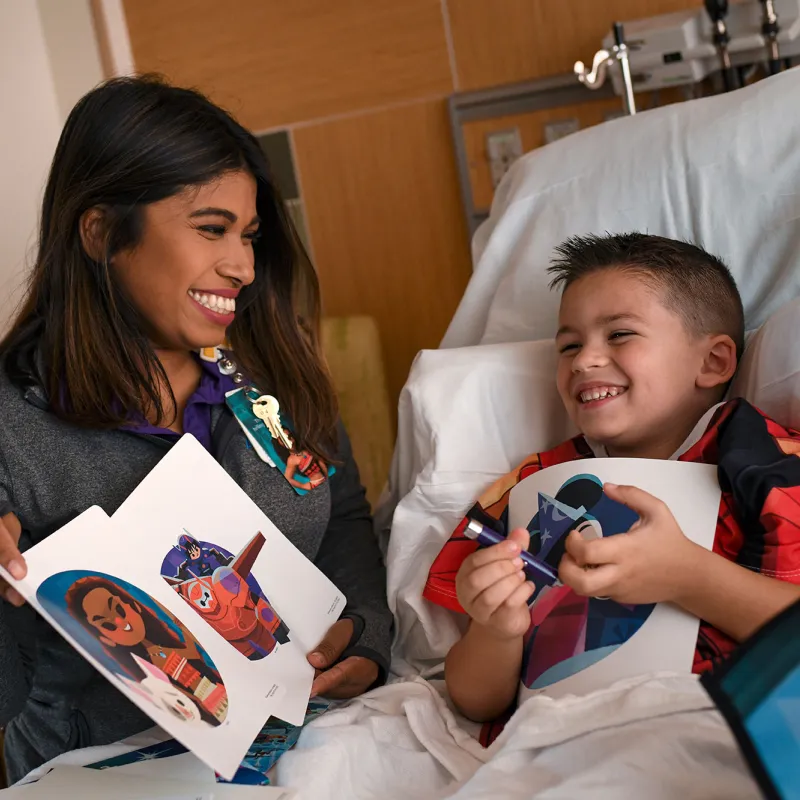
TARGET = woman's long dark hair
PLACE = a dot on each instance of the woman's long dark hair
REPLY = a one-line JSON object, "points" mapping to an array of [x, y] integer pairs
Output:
{"points": [[128, 143]]}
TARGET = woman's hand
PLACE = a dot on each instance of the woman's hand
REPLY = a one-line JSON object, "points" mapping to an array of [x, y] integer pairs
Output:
{"points": [[348, 678], [10, 557]]}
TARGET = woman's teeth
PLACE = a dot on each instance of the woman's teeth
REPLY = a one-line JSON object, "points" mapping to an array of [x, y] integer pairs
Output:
{"points": [[601, 393], [127, 627], [213, 302]]}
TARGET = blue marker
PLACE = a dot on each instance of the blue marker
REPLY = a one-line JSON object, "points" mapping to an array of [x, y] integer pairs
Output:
{"points": [[542, 574]]}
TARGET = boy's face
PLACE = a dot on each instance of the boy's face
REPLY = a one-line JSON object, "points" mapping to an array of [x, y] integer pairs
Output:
{"points": [[628, 369]]}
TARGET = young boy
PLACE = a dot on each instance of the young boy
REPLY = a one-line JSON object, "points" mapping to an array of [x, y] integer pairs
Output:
{"points": [[650, 331]]}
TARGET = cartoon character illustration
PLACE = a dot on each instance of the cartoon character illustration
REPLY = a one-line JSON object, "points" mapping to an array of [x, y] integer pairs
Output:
{"points": [[157, 688], [137, 639], [569, 632], [232, 603], [200, 560], [299, 462]]}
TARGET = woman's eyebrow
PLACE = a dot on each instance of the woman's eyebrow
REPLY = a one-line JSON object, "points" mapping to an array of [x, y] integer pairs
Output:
{"points": [[214, 212], [222, 212]]}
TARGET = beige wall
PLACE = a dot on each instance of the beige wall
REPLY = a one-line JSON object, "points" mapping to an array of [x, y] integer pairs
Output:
{"points": [[46, 63], [72, 49], [28, 135]]}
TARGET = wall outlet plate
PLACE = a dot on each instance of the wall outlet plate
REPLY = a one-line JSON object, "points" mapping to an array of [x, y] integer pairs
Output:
{"points": [[553, 131], [503, 148]]}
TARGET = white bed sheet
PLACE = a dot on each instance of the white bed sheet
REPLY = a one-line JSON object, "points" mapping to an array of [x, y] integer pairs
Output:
{"points": [[655, 736]]}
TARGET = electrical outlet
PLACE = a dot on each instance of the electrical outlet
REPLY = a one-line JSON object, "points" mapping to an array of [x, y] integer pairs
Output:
{"points": [[554, 131], [503, 149]]}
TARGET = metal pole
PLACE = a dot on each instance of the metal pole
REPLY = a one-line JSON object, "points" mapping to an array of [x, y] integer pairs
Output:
{"points": [[770, 29], [718, 10], [621, 54]]}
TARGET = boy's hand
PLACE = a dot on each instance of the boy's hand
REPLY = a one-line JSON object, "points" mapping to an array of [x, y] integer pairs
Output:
{"points": [[646, 565], [492, 587]]}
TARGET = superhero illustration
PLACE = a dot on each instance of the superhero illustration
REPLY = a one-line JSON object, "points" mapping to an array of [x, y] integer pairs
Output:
{"points": [[568, 632], [200, 560], [230, 599], [140, 642]]}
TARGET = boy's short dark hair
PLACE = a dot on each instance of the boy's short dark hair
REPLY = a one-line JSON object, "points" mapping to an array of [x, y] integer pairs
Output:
{"points": [[696, 285]]}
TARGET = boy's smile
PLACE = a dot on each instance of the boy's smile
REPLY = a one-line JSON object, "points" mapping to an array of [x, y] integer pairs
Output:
{"points": [[629, 368]]}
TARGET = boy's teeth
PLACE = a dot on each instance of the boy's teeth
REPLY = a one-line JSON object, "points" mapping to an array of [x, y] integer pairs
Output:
{"points": [[600, 393], [222, 305]]}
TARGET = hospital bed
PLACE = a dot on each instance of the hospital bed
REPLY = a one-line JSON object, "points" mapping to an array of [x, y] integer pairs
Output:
{"points": [[722, 171]]}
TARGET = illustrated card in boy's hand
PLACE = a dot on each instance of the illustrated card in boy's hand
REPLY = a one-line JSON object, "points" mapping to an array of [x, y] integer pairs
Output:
{"points": [[579, 644]]}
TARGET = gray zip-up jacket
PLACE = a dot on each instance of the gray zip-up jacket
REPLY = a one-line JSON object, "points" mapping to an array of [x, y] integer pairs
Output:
{"points": [[51, 699]]}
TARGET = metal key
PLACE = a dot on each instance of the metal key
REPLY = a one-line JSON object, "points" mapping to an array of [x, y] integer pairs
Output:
{"points": [[266, 408]]}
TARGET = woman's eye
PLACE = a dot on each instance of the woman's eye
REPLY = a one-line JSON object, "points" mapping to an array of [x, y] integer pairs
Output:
{"points": [[214, 230], [253, 236], [108, 626], [121, 611]]}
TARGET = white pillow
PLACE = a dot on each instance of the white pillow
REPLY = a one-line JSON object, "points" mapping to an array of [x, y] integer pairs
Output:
{"points": [[466, 417], [723, 172], [769, 375]]}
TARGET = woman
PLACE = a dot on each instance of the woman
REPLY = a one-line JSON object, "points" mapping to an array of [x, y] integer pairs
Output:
{"points": [[161, 234]]}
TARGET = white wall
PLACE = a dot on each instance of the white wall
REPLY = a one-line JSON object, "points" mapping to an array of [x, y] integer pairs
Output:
{"points": [[48, 58], [72, 49]]}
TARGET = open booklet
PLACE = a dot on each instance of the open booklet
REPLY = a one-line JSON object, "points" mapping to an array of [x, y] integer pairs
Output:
{"points": [[191, 602], [575, 644]]}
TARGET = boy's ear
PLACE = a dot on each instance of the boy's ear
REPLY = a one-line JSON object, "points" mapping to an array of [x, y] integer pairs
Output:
{"points": [[719, 364]]}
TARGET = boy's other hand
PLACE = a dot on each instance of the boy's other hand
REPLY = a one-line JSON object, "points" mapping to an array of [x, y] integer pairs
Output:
{"points": [[648, 564], [492, 588]]}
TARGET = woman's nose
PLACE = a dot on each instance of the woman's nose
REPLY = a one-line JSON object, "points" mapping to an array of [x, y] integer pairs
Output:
{"points": [[239, 266]]}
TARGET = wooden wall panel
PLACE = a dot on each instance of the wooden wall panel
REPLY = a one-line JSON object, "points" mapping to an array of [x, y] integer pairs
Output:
{"points": [[531, 128], [504, 41], [386, 223], [274, 62]]}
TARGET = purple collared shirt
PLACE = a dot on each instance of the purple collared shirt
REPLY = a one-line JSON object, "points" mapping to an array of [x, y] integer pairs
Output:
{"points": [[210, 392]]}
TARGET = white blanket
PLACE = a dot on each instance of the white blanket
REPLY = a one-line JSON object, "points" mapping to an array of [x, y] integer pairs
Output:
{"points": [[654, 737]]}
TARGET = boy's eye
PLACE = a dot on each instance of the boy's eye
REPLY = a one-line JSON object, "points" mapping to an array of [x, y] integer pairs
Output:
{"points": [[617, 335], [566, 348]]}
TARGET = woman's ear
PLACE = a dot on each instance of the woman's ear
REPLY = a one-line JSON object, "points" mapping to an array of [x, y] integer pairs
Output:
{"points": [[93, 229], [719, 363]]}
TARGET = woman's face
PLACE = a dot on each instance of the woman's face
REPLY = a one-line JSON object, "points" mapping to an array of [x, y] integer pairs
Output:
{"points": [[194, 255], [117, 622]]}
